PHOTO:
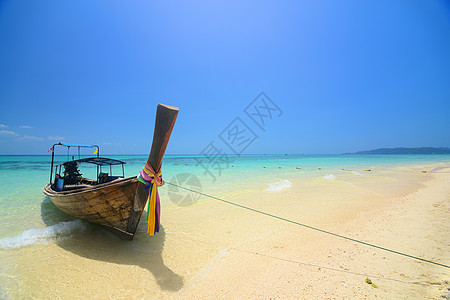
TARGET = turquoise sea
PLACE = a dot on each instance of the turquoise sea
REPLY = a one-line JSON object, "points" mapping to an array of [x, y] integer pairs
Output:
{"points": [[22, 177], [28, 218]]}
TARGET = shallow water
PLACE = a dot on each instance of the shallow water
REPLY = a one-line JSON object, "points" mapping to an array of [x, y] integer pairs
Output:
{"points": [[35, 234]]}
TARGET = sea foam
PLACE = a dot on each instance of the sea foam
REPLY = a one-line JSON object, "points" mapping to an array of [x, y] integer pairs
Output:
{"points": [[331, 176], [59, 231], [357, 173], [279, 185]]}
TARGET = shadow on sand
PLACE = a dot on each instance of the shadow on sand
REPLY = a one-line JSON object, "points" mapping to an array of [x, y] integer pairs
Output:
{"points": [[99, 244]]}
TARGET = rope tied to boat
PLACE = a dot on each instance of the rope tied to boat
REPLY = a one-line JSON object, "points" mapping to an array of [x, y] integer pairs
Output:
{"points": [[152, 180]]}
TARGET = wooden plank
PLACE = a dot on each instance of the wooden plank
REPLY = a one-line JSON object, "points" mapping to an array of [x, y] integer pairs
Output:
{"points": [[140, 199], [165, 120], [109, 206]]}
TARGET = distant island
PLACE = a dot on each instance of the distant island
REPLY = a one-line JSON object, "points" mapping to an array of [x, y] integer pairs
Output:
{"points": [[423, 150]]}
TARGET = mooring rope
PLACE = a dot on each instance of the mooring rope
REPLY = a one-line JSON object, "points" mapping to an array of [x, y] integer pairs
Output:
{"points": [[313, 228]]}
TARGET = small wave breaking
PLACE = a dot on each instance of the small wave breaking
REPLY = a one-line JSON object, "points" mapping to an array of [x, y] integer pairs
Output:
{"points": [[60, 231], [279, 186], [331, 176], [357, 173]]}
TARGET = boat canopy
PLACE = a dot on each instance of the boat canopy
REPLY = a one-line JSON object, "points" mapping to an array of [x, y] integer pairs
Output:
{"points": [[77, 145], [99, 161]]}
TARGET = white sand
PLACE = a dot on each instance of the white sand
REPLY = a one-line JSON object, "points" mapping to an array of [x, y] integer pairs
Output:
{"points": [[214, 250], [294, 262]]}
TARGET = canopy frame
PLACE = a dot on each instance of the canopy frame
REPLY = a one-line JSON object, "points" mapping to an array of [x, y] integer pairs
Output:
{"points": [[68, 145]]}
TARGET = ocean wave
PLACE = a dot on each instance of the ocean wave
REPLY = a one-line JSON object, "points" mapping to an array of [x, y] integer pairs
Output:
{"points": [[331, 176], [279, 185], [60, 231], [356, 173]]}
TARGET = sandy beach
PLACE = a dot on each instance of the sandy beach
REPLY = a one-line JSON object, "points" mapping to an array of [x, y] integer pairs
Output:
{"points": [[215, 250], [294, 262]]}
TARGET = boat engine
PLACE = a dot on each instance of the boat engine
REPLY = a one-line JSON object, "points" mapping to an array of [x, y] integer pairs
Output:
{"points": [[71, 173]]}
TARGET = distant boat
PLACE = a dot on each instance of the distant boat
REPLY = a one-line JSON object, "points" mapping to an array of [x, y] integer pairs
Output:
{"points": [[113, 202]]}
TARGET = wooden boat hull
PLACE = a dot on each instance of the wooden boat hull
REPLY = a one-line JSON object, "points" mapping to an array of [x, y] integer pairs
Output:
{"points": [[116, 205]]}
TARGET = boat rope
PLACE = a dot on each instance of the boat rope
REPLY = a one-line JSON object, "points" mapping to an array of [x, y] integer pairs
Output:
{"points": [[152, 180], [313, 228], [331, 269]]}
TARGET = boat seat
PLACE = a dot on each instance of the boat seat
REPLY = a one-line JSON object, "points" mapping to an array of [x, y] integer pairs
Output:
{"points": [[102, 177]]}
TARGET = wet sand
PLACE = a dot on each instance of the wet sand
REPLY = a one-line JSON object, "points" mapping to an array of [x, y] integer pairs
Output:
{"points": [[215, 250]]}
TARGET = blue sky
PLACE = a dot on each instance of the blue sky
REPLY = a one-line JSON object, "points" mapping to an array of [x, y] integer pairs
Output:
{"points": [[348, 75]]}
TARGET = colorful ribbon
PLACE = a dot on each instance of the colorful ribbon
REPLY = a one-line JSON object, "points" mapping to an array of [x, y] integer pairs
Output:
{"points": [[152, 180]]}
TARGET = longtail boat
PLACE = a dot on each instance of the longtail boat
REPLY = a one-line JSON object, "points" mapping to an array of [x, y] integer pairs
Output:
{"points": [[113, 202]]}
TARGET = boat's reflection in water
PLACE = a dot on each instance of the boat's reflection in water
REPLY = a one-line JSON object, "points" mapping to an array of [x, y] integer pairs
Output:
{"points": [[99, 244]]}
